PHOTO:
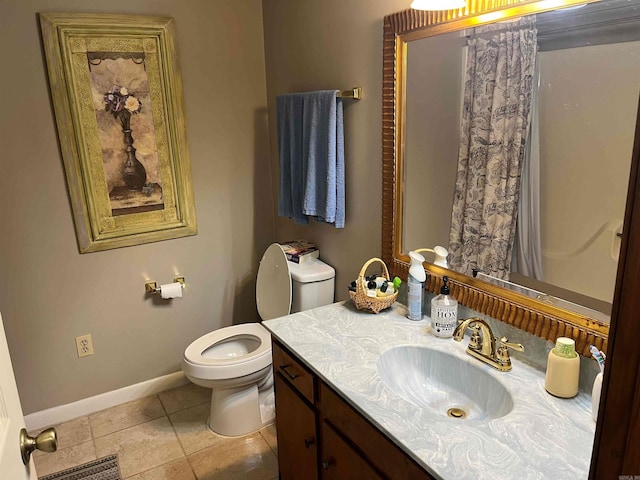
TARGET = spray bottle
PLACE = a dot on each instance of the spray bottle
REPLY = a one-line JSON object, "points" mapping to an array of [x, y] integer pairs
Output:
{"points": [[417, 276]]}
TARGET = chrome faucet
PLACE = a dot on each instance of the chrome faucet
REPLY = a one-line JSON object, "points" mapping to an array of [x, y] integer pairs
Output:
{"points": [[484, 346]]}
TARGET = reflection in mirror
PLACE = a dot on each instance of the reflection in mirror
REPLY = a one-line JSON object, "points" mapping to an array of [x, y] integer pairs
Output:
{"points": [[567, 186], [561, 300]]}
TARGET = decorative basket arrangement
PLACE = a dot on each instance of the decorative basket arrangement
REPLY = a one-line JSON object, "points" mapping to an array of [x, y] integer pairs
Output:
{"points": [[371, 304]]}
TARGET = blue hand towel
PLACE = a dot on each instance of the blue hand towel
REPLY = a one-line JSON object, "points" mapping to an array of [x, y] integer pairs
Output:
{"points": [[290, 146], [311, 142]]}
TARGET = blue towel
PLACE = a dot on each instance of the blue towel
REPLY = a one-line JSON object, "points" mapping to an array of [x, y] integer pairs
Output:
{"points": [[311, 145], [290, 146]]}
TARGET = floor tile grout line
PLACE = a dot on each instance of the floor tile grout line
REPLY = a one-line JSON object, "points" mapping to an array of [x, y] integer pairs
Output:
{"points": [[164, 409], [158, 466], [180, 443], [221, 438], [164, 416], [267, 441], [175, 432], [93, 438], [146, 420]]}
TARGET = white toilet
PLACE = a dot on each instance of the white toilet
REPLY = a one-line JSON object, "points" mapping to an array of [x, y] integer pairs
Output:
{"points": [[235, 362]]}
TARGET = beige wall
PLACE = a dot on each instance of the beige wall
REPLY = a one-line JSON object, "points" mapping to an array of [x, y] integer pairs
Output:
{"points": [[434, 96], [314, 45], [49, 293], [585, 164]]}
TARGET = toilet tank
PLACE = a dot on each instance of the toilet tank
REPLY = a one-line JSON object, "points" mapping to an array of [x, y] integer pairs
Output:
{"points": [[312, 284]]}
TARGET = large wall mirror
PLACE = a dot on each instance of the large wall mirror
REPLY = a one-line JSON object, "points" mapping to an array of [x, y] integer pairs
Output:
{"points": [[555, 191]]}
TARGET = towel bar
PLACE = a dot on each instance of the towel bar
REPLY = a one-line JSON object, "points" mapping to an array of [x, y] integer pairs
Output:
{"points": [[355, 93]]}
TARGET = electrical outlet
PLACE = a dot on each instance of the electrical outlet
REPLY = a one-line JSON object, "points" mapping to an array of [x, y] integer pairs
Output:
{"points": [[84, 345]]}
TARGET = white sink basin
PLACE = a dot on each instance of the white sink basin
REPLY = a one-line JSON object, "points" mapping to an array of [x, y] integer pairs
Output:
{"points": [[444, 383]]}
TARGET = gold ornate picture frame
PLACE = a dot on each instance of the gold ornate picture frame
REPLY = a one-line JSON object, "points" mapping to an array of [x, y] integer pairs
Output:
{"points": [[117, 95]]}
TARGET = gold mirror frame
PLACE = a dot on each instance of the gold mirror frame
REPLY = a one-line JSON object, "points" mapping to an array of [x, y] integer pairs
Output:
{"points": [[531, 315]]}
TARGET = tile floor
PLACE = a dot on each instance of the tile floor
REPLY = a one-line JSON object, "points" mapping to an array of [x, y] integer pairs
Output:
{"points": [[163, 437]]}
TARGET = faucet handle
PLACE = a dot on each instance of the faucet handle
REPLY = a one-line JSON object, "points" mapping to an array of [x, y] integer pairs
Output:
{"points": [[502, 354], [475, 342], [504, 341]]}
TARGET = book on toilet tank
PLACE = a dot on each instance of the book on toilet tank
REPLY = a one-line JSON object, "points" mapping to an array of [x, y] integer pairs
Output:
{"points": [[300, 251]]}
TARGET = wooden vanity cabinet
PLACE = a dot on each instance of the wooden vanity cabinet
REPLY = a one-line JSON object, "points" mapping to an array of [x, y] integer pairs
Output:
{"points": [[340, 461], [297, 442], [320, 436], [295, 417]]}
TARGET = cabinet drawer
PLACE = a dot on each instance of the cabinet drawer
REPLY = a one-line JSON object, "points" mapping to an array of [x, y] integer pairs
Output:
{"points": [[294, 372], [369, 440]]}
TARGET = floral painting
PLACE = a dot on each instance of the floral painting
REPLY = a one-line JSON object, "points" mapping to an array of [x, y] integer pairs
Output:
{"points": [[120, 89], [117, 97]]}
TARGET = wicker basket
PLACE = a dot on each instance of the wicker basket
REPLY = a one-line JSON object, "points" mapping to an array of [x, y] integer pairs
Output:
{"points": [[371, 304]]}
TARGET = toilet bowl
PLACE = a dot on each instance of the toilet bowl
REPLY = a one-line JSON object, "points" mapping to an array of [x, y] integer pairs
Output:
{"points": [[235, 361]]}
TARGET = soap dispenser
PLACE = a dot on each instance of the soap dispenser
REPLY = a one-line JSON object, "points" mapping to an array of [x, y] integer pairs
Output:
{"points": [[415, 283], [444, 312]]}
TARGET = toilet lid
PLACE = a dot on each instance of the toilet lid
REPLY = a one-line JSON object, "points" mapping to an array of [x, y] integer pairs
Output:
{"points": [[273, 285]]}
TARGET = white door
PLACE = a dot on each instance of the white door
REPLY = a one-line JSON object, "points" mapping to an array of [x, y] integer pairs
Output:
{"points": [[11, 420]]}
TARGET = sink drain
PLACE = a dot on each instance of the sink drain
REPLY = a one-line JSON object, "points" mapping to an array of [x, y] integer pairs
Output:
{"points": [[456, 413]]}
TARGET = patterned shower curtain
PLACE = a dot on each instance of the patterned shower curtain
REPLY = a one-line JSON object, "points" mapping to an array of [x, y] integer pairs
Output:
{"points": [[494, 131]]}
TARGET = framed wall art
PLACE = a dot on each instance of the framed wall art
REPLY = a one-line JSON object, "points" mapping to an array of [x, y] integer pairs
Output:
{"points": [[117, 95]]}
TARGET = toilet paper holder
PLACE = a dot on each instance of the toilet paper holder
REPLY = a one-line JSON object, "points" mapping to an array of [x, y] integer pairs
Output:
{"points": [[152, 287]]}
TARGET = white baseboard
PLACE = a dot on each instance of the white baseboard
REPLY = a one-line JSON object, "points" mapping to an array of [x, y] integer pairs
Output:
{"points": [[86, 406]]}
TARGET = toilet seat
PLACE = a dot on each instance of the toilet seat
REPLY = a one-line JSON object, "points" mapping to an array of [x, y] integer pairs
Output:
{"points": [[229, 366], [273, 284]]}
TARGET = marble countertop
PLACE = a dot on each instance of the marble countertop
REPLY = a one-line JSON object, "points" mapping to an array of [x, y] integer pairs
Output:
{"points": [[543, 436]]}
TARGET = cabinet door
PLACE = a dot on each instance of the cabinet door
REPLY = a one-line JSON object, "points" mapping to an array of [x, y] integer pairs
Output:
{"points": [[296, 429], [340, 462], [393, 463]]}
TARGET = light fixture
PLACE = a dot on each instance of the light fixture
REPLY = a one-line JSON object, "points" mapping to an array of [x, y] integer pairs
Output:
{"points": [[438, 4]]}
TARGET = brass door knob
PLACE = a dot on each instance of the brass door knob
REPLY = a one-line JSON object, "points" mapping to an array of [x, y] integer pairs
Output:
{"points": [[46, 441]]}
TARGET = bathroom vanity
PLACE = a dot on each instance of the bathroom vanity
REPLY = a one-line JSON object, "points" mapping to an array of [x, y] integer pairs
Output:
{"points": [[322, 436], [342, 413]]}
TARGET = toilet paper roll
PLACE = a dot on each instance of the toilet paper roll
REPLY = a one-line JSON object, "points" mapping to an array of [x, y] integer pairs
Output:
{"points": [[171, 290]]}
